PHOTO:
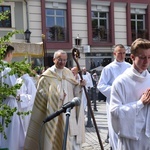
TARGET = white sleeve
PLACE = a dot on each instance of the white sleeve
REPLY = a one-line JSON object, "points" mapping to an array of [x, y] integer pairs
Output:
{"points": [[90, 81], [28, 95], [125, 118], [8, 79], [103, 84]]}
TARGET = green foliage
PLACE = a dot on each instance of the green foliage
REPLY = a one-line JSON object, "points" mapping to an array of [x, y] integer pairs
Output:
{"points": [[17, 68], [5, 40], [20, 68], [24, 113], [6, 91], [1, 1], [4, 15]]}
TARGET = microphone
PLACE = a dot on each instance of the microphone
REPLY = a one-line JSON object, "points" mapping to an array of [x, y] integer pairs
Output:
{"points": [[75, 102]]}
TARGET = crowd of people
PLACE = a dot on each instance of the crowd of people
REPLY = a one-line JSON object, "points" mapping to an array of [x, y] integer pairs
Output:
{"points": [[125, 87]]}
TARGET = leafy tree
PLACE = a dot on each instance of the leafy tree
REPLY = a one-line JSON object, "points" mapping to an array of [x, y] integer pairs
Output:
{"points": [[17, 68]]}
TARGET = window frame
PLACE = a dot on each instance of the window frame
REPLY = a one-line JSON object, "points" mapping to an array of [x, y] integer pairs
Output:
{"points": [[136, 21], [55, 28], [110, 22], [58, 45], [11, 4], [3, 22], [101, 31], [147, 20]]}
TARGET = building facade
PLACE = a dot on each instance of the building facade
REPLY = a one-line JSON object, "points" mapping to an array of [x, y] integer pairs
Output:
{"points": [[92, 26]]}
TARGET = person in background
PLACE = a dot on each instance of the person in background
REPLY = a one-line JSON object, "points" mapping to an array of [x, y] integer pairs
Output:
{"points": [[15, 131], [89, 84], [26, 95], [130, 101], [35, 76], [95, 91], [56, 87], [75, 73], [108, 75], [78, 78]]}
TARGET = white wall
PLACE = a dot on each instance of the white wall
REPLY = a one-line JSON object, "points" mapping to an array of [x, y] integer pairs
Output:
{"points": [[120, 23], [34, 9], [79, 20], [79, 25]]}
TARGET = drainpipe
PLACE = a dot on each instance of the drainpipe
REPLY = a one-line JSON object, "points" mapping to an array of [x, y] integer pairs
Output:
{"points": [[27, 32]]}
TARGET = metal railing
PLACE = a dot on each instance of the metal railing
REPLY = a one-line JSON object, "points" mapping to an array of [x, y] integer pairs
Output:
{"points": [[139, 34], [100, 34], [56, 34]]}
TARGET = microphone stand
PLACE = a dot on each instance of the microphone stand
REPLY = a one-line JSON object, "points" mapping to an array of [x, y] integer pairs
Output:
{"points": [[66, 128]]}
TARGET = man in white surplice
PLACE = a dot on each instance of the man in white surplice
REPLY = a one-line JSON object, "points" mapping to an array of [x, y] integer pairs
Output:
{"points": [[15, 131], [130, 101], [108, 75]]}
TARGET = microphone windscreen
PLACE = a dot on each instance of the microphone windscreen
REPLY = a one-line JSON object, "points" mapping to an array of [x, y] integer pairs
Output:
{"points": [[76, 101]]}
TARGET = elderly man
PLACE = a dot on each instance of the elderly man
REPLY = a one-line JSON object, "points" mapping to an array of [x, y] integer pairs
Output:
{"points": [[57, 86]]}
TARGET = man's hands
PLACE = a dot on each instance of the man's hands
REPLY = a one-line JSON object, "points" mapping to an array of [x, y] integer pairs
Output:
{"points": [[145, 98]]}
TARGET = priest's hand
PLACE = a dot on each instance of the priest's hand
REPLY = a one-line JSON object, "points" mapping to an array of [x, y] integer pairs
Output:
{"points": [[82, 82], [145, 98]]}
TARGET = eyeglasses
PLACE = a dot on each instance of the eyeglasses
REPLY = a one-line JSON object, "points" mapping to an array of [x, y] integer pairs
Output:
{"points": [[62, 60]]}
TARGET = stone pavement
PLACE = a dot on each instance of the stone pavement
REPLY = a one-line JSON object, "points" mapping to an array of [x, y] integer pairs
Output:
{"points": [[91, 138]]}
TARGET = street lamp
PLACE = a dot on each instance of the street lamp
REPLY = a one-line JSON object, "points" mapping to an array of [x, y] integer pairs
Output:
{"points": [[27, 36], [78, 41]]}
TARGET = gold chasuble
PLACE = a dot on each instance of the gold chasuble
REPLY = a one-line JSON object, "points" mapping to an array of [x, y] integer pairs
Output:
{"points": [[55, 88]]}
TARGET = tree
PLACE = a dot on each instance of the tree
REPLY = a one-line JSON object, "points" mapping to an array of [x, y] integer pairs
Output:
{"points": [[16, 68]]}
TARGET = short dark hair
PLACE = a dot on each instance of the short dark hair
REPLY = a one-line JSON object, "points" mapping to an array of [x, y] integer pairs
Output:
{"points": [[119, 45], [9, 49]]}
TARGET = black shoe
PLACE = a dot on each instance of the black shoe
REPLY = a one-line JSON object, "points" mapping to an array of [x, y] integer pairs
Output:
{"points": [[107, 141]]}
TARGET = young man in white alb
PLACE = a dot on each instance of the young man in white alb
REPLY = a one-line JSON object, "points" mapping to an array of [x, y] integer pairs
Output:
{"points": [[130, 101], [108, 75]]}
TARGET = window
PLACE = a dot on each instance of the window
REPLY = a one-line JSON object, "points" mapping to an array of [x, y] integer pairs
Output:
{"points": [[6, 23], [137, 21], [100, 19], [138, 26], [100, 30], [56, 25]]}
